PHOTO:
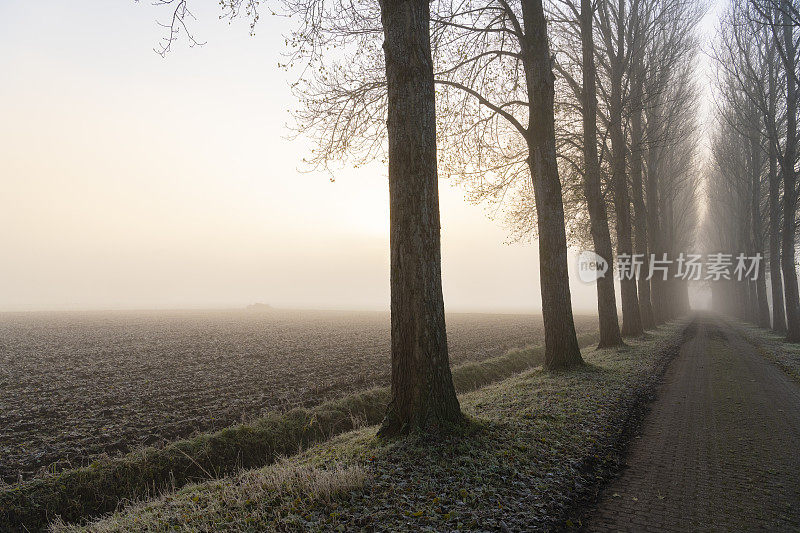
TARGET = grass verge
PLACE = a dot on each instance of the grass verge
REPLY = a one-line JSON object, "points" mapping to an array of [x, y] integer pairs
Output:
{"points": [[774, 347], [107, 484], [538, 447]]}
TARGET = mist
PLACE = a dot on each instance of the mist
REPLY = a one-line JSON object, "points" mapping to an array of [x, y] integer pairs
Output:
{"points": [[134, 181]]}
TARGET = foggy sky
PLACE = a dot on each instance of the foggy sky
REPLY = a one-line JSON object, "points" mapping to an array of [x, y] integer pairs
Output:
{"points": [[132, 181]]}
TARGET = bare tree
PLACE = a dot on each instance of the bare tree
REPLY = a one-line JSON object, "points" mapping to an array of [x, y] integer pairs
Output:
{"points": [[423, 396], [612, 22], [498, 87], [496, 120], [659, 38], [775, 211], [579, 151], [729, 197], [606, 299], [790, 289], [663, 77], [753, 34]]}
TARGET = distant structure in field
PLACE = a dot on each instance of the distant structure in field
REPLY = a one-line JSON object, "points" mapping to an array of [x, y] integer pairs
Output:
{"points": [[258, 306]]}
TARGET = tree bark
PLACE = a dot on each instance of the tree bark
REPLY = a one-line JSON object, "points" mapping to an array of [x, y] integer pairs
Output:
{"points": [[422, 393], [746, 312], [561, 344], [640, 218], [792, 300], [669, 294], [631, 318], [598, 217], [757, 246], [775, 277], [654, 231]]}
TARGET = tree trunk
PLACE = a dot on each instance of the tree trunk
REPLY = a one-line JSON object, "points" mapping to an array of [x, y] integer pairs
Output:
{"points": [[775, 277], [561, 344], [669, 294], [742, 243], [653, 230], [422, 393], [640, 218], [598, 217], [750, 306], [757, 246], [792, 299], [631, 318]]}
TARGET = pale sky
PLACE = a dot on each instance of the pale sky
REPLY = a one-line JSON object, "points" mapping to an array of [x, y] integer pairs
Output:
{"points": [[132, 181]]}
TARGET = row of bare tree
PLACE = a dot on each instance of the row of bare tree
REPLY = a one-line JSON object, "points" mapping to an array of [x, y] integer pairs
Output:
{"points": [[752, 182], [626, 137], [468, 88]]}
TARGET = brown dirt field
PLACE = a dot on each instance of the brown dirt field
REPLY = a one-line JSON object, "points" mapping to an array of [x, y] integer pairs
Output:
{"points": [[77, 385]]}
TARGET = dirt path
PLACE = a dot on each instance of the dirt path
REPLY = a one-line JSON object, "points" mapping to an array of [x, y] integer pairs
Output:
{"points": [[720, 450]]}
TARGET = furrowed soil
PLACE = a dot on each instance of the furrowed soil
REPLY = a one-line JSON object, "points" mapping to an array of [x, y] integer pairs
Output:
{"points": [[75, 386]]}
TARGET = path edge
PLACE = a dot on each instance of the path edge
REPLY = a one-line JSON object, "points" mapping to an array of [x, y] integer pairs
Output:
{"points": [[601, 469]]}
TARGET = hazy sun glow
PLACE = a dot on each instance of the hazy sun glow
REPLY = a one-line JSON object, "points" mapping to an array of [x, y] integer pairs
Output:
{"points": [[135, 181]]}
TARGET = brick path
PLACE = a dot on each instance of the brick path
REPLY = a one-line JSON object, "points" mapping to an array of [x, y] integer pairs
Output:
{"points": [[720, 449]]}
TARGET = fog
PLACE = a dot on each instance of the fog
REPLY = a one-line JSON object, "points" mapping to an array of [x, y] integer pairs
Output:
{"points": [[132, 181]]}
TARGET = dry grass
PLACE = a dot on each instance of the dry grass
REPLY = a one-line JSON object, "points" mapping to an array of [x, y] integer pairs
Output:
{"points": [[284, 481], [774, 347], [539, 443], [78, 385], [86, 492]]}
